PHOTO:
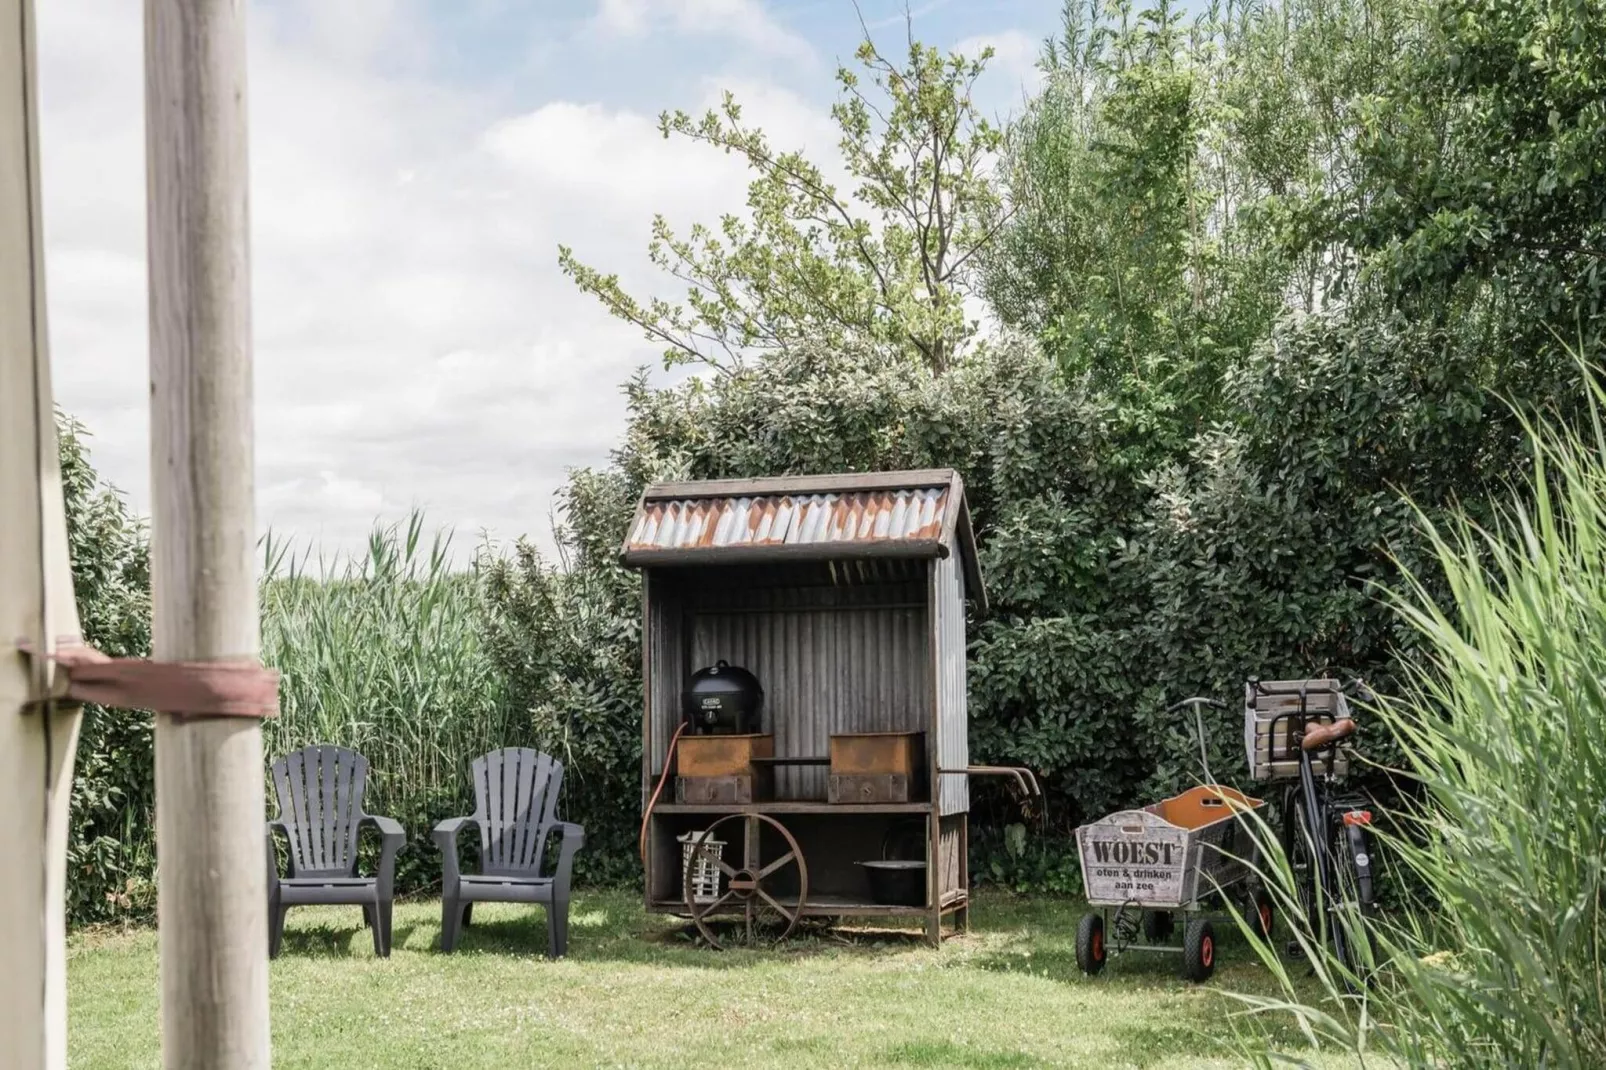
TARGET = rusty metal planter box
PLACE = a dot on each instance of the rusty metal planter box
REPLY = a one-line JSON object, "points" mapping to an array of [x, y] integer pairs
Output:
{"points": [[1167, 855], [877, 767], [722, 756]]}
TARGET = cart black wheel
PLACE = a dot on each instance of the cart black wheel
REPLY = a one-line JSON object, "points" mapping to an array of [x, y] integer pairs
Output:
{"points": [[1091, 954], [1198, 951], [1259, 914], [1158, 925]]}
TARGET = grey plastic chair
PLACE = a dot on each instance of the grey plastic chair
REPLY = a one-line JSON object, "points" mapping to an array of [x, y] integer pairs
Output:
{"points": [[320, 792], [516, 802]]}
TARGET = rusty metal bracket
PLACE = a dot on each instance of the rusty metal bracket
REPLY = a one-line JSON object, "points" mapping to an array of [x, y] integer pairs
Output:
{"points": [[239, 688]]}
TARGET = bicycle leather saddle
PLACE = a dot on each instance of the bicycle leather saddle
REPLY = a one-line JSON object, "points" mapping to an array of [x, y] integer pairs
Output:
{"points": [[1319, 737]]}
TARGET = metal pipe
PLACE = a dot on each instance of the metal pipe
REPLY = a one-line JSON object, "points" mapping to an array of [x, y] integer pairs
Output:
{"points": [[1021, 774]]}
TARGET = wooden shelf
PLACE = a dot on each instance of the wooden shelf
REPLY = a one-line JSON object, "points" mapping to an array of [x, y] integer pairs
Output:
{"points": [[793, 806], [828, 906]]}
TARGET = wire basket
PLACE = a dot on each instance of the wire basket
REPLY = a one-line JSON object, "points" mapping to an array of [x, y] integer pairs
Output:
{"points": [[700, 868]]}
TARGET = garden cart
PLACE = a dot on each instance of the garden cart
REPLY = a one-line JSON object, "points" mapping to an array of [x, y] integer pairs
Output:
{"points": [[1142, 869]]}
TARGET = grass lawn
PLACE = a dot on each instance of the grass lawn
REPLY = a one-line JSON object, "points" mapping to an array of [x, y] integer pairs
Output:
{"points": [[635, 992]]}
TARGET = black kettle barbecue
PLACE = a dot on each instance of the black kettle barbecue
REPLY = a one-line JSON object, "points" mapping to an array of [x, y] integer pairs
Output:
{"points": [[722, 699]]}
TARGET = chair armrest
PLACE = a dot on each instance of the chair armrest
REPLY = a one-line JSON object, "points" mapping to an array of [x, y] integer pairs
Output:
{"points": [[574, 838], [388, 827], [392, 838], [445, 837]]}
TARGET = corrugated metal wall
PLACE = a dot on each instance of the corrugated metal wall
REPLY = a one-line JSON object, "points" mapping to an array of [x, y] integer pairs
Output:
{"points": [[850, 657], [949, 871], [663, 659], [953, 748]]}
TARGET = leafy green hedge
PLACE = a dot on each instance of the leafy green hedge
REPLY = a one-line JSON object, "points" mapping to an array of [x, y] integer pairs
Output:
{"points": [[1115, 592]]}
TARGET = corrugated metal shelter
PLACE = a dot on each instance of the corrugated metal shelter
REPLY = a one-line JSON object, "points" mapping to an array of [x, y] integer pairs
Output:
{"points": [[846, 595]]}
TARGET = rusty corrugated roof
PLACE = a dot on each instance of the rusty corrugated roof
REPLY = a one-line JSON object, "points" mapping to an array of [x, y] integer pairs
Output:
{"points": [[919, 514], [787, 519]]}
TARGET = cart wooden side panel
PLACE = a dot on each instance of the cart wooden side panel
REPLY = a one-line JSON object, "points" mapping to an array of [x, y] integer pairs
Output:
{"points": [[1139, 858], [1133, 857]]}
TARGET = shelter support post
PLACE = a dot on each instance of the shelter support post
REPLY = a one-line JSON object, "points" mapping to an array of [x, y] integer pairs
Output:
{"points": [[212, 907]]}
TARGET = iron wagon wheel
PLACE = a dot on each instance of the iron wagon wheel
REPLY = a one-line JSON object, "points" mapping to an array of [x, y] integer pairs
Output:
{"points": [[746, 884]]}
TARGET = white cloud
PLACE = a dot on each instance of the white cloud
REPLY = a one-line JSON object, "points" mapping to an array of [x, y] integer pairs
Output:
{"points": [[1015, 56], [746, 21], [414, 339]]}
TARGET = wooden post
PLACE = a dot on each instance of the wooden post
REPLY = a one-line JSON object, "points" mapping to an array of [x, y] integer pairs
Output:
{"points": [[37, 738], [212, 890]]}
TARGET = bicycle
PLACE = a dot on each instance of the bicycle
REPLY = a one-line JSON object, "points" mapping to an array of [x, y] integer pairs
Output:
{"points": [[1326, 830]]}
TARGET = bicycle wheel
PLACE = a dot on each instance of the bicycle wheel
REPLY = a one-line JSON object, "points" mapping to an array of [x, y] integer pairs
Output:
{"points": [[1298, 848]]}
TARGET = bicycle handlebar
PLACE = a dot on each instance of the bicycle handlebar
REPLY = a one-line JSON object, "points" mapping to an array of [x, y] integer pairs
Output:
{"points": [[1355, 686]]}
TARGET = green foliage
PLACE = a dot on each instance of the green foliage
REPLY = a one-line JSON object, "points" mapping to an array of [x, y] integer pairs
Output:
{"points": [[1483, 160], [383, 654], [110, 844], [567, 646], [1159, 192], [884, 262], [1499, 962], [1113, 596]]}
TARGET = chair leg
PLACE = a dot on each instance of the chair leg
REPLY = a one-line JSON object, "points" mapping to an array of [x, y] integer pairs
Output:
{"points": [[557, 928], [376, 926], [276, 929], [381, 915], [386, 919], [451, 921], [468, 913]]}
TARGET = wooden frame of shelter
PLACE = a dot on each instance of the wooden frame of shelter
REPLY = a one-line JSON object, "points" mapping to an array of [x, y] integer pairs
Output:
{"points": [[846, 595]]}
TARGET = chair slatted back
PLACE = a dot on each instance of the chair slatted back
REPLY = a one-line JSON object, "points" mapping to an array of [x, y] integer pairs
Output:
{"points": [[516, 796], [320, 791]]}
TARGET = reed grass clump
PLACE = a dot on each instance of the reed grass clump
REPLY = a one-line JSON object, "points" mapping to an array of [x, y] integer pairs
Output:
{"points": [[1497, 957], [383, 653]]}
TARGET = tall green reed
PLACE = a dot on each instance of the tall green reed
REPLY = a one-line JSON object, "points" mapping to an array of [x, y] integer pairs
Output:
{"points": [[1497, 955], [382, 653]]}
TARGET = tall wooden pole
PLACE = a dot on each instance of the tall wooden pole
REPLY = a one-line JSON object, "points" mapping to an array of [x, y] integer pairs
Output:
{"points": [[37, 738], [211, 904]]}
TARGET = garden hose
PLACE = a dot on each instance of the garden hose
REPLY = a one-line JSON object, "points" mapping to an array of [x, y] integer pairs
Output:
{"points": [[663, 777]]}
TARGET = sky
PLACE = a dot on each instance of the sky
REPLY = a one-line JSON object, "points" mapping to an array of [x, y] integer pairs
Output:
{"points": [[414, 167]]}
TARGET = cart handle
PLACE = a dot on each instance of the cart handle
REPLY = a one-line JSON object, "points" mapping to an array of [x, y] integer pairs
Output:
{"points": [[1197, 702]]}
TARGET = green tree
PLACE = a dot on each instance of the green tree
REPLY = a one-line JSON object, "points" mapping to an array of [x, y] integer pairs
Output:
{"points": [[1481, 186], [887, 262], [1165, 191]]}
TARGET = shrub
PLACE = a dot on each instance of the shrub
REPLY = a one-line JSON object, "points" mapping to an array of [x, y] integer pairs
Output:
{"points": [[111, 843]]}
